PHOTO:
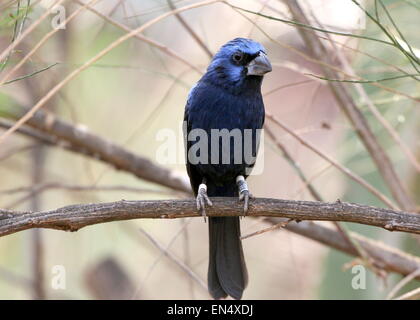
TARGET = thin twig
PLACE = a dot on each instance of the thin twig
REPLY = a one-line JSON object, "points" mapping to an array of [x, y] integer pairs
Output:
{"points": [[287, 85], [31, 74], [190, 30], [298, 24], [76, 187], [412, 295], [402, 283], [363, 81], [163, 252], [177, 261], [39, 188], [276, 226], [343, 169]]}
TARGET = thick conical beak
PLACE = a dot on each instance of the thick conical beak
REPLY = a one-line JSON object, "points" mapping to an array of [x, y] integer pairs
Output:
{"points": [[259, 66]]}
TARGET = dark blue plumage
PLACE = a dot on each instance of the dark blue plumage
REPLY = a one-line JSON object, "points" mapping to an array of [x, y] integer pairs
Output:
{"points": [[228, 96]]}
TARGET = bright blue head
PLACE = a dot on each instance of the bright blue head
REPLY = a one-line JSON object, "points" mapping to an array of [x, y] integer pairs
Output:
{"points": [[239, 63]]}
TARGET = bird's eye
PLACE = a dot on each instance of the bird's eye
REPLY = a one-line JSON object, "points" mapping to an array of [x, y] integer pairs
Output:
{"points": [[237, 57]]}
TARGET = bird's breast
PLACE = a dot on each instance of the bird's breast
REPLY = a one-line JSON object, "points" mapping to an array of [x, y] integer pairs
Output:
{"points": [[231, 123]]}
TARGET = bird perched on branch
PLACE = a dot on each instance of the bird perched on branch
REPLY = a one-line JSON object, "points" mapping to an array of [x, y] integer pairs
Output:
{"points": [[223, 116]]}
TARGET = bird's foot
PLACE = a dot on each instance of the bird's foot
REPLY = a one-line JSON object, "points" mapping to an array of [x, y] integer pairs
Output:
{"points": [[202, 199], [244, 194]]}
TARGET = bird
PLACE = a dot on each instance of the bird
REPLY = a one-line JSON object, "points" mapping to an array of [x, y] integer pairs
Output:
{"points": [[226, 99]]}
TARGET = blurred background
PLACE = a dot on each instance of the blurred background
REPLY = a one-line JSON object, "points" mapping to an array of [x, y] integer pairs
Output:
{"points": [[137, 89]]}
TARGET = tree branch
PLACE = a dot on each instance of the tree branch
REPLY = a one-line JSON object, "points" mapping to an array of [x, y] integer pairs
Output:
{"points": [[74, 217], [190, 30]]}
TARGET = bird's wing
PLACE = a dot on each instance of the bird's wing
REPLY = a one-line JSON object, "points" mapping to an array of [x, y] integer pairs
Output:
{"points": [[195, 177]]}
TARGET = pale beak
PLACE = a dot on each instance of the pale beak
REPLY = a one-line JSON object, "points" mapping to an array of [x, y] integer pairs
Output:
{"points": [[259, 66]]}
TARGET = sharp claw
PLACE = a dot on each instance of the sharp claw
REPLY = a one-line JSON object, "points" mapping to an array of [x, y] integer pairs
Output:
{"points": [[208, 200], [203, 206], [245, 196], [246, 201], [201, 201]]}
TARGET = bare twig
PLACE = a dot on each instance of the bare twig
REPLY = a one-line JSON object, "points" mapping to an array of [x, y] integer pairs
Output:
{"points": [[190, 30], [177, 261], [402, 283], [327, 158], [287, 85], [134, 232], [76, 187], [16, 150], [294, 164], [31, 74], [412, 295], [279, 225]]}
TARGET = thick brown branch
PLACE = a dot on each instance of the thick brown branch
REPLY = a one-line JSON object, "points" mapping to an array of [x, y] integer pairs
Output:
{"points": [[75, 217]]}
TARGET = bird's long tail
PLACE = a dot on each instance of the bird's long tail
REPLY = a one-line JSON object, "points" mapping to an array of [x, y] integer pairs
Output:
{"points": [[227, 274]]}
